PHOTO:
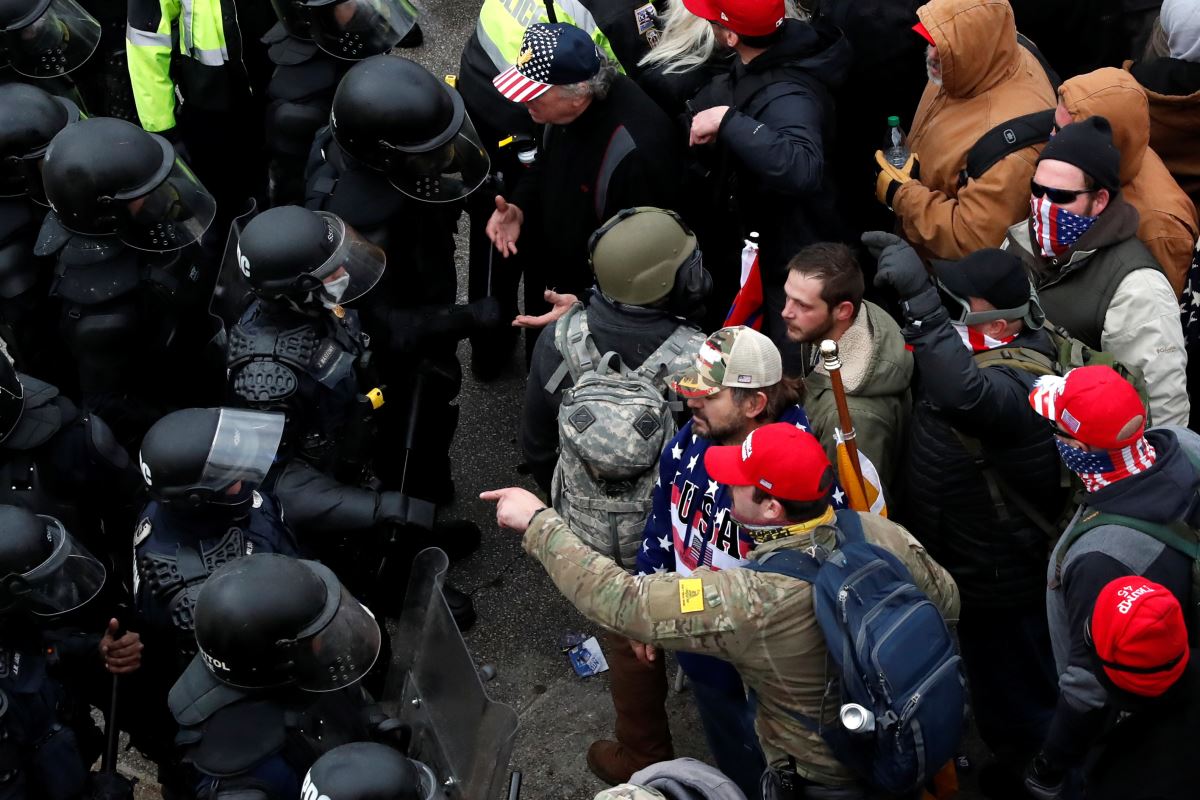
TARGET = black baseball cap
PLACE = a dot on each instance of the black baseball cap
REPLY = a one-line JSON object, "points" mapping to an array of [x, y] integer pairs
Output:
{"points": [[555, 54], [996, 276]]}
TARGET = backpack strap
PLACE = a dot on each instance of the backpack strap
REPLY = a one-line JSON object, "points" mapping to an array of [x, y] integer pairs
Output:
{"points": [[573, 341], [1051, 74], [792, 563], [849, 525], [1023, 358], [1004, 139], [658, 364]]}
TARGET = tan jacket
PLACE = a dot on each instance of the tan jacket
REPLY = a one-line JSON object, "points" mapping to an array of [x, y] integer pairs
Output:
{"points": [[1175, 136], [1168, 226], [762, 623], [987, 78]]}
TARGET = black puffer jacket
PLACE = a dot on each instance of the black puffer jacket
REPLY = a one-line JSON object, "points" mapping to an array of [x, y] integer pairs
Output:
{"points": [[997, 556]]}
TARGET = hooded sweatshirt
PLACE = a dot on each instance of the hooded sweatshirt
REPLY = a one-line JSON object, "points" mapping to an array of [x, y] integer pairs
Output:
{"points": [[1163, 493], [1167, 219], [1172, 87], [987, 79], [876, 373]]}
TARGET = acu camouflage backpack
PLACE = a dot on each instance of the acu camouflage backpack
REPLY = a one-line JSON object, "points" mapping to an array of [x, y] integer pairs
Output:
{"points": [[613, 424]]}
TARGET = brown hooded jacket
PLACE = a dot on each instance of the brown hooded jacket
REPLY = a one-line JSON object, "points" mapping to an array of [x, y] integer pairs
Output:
{"points": [[1168, 225], [987, 78], [1175, 133]]}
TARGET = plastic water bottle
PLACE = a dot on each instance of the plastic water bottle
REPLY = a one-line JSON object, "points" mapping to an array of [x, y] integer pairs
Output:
{"points": [[895, 148]]}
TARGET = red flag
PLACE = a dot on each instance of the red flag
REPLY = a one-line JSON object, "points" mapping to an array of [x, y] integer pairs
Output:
{"points": [[747, 308]]}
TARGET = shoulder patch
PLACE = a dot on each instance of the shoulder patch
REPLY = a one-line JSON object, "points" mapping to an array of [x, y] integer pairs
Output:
{"points": [[143, 530]]}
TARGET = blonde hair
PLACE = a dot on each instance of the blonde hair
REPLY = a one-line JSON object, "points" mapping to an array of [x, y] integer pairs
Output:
{"points": [[688, 41]]}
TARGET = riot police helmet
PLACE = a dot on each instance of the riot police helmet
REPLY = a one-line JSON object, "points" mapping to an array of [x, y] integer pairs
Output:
{"points": [[12, 398], [307, 256], [29, 118], [648, 257], [394, 116], [43, 570], [209, 457], [106, 176], [348, 29], [46, 38], [368, 771], [268, 620]]}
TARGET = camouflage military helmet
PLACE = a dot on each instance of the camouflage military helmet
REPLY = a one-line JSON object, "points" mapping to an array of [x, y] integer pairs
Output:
{"points": [[627, 791], [637, 254]]}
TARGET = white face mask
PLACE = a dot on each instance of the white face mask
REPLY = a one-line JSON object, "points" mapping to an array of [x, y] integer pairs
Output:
{"points": [[331, 292]]}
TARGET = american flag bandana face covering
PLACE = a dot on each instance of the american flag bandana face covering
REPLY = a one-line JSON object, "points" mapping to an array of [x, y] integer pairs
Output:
{"points": [[1100, 468], [1055, 228]]}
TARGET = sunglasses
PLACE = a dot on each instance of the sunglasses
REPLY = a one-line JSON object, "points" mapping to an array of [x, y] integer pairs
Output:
{"points": [[1060, 196]]}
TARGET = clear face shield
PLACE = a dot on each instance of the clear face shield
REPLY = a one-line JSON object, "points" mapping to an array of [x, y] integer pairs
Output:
{"points": [[353, 269], [357, 29], [58, 41], [68, 579], [341, 647], [446, 173], [22, 176], [243, 451], [172, 215]]}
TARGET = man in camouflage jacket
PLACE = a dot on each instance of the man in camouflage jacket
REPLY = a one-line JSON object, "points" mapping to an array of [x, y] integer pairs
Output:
{"points": [[762, 623]]}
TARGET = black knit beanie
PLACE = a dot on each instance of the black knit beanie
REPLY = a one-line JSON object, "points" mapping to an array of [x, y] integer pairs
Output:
{"points": [[1087, 144]]}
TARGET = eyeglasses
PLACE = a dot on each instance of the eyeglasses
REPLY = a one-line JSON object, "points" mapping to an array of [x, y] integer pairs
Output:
{"points": [[1060, 196]]}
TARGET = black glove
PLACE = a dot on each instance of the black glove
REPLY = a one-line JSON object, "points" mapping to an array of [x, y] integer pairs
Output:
{"points": [[404, 510], [1044, 780], [900, 268]]}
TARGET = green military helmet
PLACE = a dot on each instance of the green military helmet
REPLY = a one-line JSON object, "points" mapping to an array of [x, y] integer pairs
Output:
{"points": [[638, 254]]}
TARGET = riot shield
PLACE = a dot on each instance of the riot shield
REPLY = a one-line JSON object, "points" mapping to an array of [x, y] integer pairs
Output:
{"points": [[433, 687], [232, 294]]}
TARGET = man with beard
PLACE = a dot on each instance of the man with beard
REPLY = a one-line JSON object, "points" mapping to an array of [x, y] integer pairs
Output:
{"points": [[763, 623], [979, 77], [824, 291], [735, 386]]}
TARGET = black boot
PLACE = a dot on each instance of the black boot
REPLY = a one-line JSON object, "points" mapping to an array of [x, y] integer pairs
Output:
{"points": [[462, 608]]}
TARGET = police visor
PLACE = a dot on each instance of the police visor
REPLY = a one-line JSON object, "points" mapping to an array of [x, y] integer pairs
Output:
{"points": [[243, 449], [357, 29], [171, 212], [55, 38], [353, 269], [68, 579], [341, 646], [442, 171]]}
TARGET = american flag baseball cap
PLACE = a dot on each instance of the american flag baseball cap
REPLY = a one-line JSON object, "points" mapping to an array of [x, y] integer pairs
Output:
{"points": [[551, 55], [1093, 404]]}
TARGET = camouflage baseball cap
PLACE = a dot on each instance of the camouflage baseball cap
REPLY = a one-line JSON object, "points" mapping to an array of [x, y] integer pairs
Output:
{"points": [[627, 791], [736, 357]]}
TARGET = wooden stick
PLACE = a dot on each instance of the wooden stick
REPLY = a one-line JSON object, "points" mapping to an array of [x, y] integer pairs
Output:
{"points": [[833, 365]]}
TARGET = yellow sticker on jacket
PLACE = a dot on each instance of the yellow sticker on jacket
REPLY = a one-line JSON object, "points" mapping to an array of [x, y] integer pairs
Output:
{"points": [[691, 595]]}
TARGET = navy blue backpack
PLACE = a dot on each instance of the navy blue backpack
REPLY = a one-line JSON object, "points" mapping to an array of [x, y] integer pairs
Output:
{"points": [[895, 655]]}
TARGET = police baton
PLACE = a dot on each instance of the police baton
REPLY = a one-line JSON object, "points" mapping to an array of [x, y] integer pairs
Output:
{"points": [[111, 732]]}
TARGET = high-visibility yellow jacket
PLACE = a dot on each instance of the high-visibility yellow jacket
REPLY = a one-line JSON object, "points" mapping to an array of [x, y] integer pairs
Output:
{"points": [[205, 39]]}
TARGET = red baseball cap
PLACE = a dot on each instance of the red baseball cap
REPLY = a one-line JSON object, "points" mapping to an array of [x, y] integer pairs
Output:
{"points": [[1139, 634], [743, 17], [1094, 404], [925, 34], [782, 460]]}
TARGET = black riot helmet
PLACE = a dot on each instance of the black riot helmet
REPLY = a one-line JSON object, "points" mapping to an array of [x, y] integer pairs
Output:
{"points": [[349, 29], [106, 176], [46, 38], [12, 398], [29, 118], [268, 620], [43, 570], [199, 457], [307, 256], [368, 771], [392, 115]]}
